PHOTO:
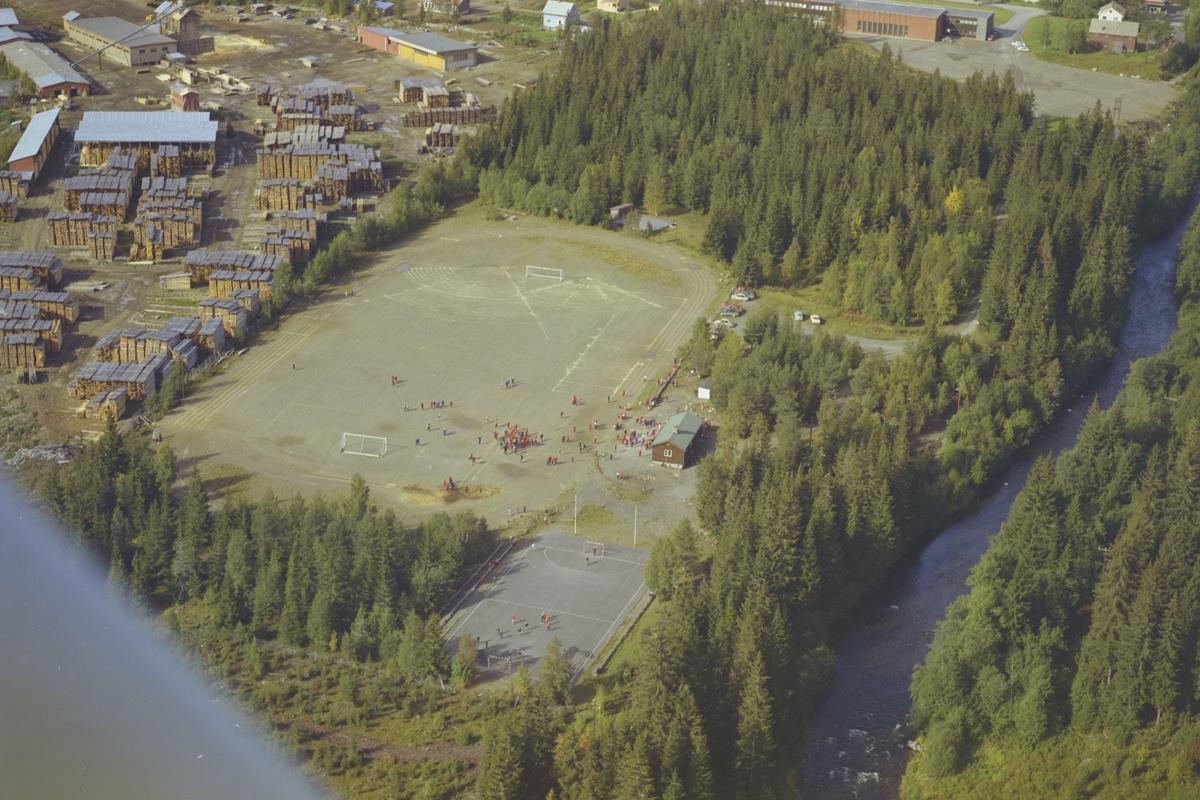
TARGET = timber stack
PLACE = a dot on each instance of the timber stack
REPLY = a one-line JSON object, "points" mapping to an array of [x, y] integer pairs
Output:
{"points": [[48, 305], [48, 330], [147, 242], [233, 316], [18, 309], [15, 183], [21, 351], [201, 264], [222, 283], [138, 379], [304, 134], [423, 118], [68, 229], [442, 135], [19, 279], [166, 162], [106, 404], [296, 246], [8, 207]]}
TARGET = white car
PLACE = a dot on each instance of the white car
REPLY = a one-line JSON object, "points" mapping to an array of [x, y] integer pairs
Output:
{"points": [[798, 316], [814, 319], [724, 323], [741, 297]]}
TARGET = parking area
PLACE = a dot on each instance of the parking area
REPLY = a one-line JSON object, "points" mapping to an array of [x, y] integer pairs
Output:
{"points": [[1058, 90], [585, 593]]}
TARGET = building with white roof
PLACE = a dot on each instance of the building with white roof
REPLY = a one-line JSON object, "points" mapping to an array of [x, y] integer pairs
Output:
{"points": [[194, 132], [30, 154], [558, 14]]}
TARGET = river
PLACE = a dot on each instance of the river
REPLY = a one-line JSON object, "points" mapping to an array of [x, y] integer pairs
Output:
{"points": [[858, 736]]}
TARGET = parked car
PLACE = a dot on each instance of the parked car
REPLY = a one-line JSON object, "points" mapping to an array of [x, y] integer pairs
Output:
{"points": [[798, 316], [742, 294], [724, 322], [730, 310], [815, 319]]}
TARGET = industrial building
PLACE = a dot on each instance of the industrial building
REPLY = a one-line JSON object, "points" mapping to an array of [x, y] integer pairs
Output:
{"points": [[50, 72], [141, 132], [184, 27], [428, 49], [899, 20], [127, 45], [31, 152]]}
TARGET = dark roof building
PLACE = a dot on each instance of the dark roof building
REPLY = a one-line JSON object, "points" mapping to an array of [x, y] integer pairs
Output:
{"points": [[1119, 37], [677, 440]]}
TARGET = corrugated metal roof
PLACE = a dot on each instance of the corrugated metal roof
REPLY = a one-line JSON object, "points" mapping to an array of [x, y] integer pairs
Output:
{"points": [[893, 8], [8, 17], [429, 42], [680, 430], [1105, 27], [969, 13], [7, 34], [113, 29], [43, 65], [147, 126], [35, 134]]}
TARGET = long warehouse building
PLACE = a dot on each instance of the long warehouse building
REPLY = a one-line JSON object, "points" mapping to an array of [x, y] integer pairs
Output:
{"points": [[143, 132], [34, 148], [50, 72], [429, 49], [899, 20], [127, 42]]}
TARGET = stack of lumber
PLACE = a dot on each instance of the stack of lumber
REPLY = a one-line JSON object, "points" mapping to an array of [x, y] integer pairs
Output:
{"points": [[304, 134], [68, 229], [138, 379], [247, 299], [345, 117], [223, 282], [435, 96], [122, 160], [105, 404], [233, 316], [303, 220], [105, 192], [442, 135], [8, 207], [326, 96], [166, 162], [15, 183], [22, 350], [102, 245], [147, 242], [48, 330], [134, 344], [46, 266], [192, 157], [20, 279], [52, 305], [203, 263], [455, 116], [295, 246], [298, 119], [166, 204], [411, 89], [17, 309], [211, 337], [278, 194], [263, 96]]}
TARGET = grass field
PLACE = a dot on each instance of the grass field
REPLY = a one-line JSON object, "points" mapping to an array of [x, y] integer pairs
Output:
{"points": [[1142, 64]]}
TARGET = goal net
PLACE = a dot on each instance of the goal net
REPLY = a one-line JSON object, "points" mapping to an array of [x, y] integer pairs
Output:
{"points": [[356, 444], [543, 272], [593, 548]]}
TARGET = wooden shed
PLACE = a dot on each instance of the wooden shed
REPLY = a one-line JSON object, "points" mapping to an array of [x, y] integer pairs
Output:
{"points": [[677, 440]]}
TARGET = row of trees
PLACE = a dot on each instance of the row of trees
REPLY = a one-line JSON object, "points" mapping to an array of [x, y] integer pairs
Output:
{"points": [[1085, 610], [329, 574]]}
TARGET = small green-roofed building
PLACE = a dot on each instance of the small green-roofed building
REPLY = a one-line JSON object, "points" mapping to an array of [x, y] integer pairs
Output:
{"points": [[674, 444]]}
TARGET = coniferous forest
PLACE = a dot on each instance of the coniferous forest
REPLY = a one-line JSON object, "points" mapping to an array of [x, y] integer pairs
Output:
{"points": [[904, 196], [1077, 645]]}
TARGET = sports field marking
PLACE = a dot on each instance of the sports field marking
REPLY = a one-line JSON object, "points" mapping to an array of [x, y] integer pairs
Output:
{"points": [[624, 613], [583, 355], [525, 300]]}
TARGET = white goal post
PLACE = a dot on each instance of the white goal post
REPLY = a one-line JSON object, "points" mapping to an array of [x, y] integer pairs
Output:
{"points": [[593, 548], [543, 272], [356, 444]]}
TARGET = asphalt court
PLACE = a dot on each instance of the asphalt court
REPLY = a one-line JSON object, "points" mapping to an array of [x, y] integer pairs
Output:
{"points": [[454, 318], [586, 598]]}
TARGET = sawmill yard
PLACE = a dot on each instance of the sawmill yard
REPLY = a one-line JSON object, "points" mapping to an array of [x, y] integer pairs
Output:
{"points": [[256, 51]]}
